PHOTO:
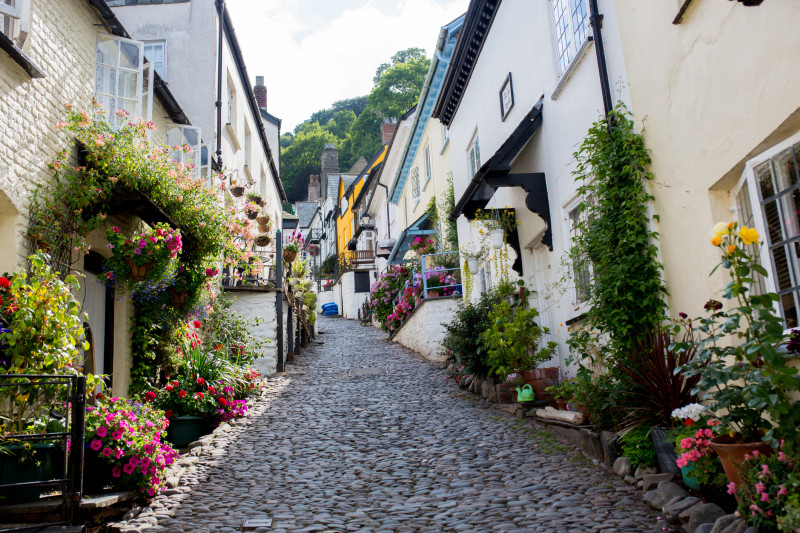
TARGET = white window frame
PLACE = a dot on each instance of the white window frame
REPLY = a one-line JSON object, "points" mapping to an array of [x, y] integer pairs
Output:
{"points": [[114, 63], [231, 104], [415, 189], [177, 136], [564, 15], [153, 44], [758, 219], [579, 305], [147, 94], [428, 167], [473, 156], [19, 17]]}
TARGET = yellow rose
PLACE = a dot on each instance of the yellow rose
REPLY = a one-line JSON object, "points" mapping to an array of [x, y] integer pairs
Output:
{"points": [[748, 235], [716, 241], [719, 230]]}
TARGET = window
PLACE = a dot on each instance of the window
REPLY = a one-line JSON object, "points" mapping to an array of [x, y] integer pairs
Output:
{"points": [[473, 157], [570, 21], [246, 146], [231, 94], [188, 136], [428, 171], [147, 94], [118, 77], [15, 20], [156, 53], [415, 192], [445, 134], [580, 269], [772, 182]]}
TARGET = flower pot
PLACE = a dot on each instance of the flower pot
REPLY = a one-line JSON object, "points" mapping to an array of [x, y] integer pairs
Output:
{"points": [[184, 430], [289, 255], [138, 272], [506, 393], [540, 379], [237, 192], [255, 200], [262, 203], [262, 220], [665, 451], [497, 237], [690, 482], [561, 404], [13, 471], [472, 264], [262, 240], [433, 293], [731, 454], [178, 298], [251, 214]]}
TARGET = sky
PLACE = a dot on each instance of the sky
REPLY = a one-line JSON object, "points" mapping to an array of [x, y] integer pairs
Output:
{"points": [[315, 52]]}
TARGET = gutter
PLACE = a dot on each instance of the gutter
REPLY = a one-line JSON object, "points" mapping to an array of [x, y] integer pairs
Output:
{"points": [[238, 58]]}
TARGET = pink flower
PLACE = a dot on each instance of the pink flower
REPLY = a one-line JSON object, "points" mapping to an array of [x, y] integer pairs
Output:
{"points": [[102, 431], [116, 472], [765, 470], [129, 468], [731, 488], [96, 444], [118, 453], [115, 229], [782, 491], [755, 453], [760, 487], [106, 452]]}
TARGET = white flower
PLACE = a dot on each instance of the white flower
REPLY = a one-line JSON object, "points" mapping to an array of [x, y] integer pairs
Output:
{"points": [[693, 411]]}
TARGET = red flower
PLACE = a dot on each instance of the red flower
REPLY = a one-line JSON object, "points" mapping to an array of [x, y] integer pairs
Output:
{"points": [[168, 413], [212, 390], [222, 401], [4, 283], [199, 394], [201, 381], [182, 394], [169, 387], [174, 383], [197, 323], [99, 396], [688, 422], [149, 396]]}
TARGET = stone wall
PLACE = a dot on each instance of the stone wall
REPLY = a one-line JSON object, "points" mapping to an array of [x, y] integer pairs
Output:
{"points": [[260, 304], [423, 330]]}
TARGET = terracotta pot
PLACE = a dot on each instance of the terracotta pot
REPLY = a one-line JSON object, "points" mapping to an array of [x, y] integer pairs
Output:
{"points": [[504, 393], [237, 192], [540, 379], [138, 272], [432, 293], [731, 454], [178, 299], [289, 256], [561, 404]]}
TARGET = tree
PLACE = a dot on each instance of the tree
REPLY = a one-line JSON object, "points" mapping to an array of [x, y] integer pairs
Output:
{"points": [[287, 139], [340, 124], [364, 138], [398, 88], [403, 56], [302, 158]]}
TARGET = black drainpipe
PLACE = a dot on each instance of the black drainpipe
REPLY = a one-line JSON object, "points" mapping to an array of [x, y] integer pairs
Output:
{"points": [[221, 14], [596, 22]]}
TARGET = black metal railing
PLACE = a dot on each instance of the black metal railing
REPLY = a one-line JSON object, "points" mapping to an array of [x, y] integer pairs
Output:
{"points": [[68, 453], [314, 236]]}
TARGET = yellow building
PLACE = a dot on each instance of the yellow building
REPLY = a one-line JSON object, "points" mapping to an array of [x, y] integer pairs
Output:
{"points": [[348, 191]]}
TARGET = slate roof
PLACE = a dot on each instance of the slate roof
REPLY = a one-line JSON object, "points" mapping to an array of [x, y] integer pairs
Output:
{"points": [[305, 212], [333, 186]]}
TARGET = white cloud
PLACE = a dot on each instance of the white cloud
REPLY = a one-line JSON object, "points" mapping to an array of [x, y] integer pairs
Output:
{"points": [[314, 52]]}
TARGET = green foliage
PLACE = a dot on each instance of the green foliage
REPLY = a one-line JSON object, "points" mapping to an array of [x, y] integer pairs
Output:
{"points": [[403, 56], [302, 158], [613, 239], [42, 334], [384, 291], [364, 138], [448, 205], [768, 492], [398, 88], [464, 334], [234, 331], [512, 340], [638, 447], [739, 367]]}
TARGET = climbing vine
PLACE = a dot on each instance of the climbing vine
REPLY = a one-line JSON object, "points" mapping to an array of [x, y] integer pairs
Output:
{"points": [[613, 238]]}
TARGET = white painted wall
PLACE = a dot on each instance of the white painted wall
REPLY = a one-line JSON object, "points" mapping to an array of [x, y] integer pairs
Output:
{"points": [[423, 331], [350, 302], [260, 304]]}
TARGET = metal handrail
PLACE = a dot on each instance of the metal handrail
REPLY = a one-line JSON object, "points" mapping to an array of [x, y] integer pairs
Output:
{"points": [[426, 273]]}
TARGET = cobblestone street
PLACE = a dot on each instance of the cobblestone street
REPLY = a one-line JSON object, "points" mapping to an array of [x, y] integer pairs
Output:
{"points": [[363, 435]]}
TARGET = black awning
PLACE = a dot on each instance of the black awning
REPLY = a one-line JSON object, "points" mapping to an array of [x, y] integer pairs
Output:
{"points": [[496, 173]]}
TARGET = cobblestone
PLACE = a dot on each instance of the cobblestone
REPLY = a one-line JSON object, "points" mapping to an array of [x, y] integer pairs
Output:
{"points": [[363, 435]]}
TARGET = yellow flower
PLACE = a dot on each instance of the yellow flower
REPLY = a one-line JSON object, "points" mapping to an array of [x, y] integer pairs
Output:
{"points": [[716, 240], [719, 230], [731, 249], [748, 235]]}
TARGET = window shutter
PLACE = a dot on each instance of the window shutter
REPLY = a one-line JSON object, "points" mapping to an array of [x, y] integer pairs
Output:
{"points": [[361, 281]]}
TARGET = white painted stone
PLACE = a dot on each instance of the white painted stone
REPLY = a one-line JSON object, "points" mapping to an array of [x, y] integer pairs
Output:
{"points": [[424, 330], [323, 298], [260, 304]]}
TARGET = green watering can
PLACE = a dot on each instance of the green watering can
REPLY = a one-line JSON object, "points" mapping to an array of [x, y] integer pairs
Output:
{"points": [[525, 394]]}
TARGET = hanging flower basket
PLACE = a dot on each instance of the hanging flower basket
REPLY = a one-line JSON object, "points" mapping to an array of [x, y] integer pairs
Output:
{"points": [[472, 264], [139, 272], [255, 199], [237, 191], [178, 298], [252, 215], [289, 256], [262, 240], [262, 203], [262, 220], [497, 236]]}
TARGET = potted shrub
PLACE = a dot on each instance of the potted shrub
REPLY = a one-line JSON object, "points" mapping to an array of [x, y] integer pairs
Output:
{"points": [[749, 377], [251, 211], [497, 224], [237, 191], [439, 282], [293, 245], [149, 255], [699, 465], [473, 253], [422, 246], [383, 292]]}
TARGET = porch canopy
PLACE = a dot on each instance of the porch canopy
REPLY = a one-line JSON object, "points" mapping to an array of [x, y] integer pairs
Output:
{"points": [[422, 227], [496, 173]]}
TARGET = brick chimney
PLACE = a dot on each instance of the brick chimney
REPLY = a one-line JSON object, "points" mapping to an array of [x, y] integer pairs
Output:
{"points": [[387, 130], [261, 92], [313, 188]]}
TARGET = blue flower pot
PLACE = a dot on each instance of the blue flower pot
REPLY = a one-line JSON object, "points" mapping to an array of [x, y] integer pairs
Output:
{"points": [[690, 482]]}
